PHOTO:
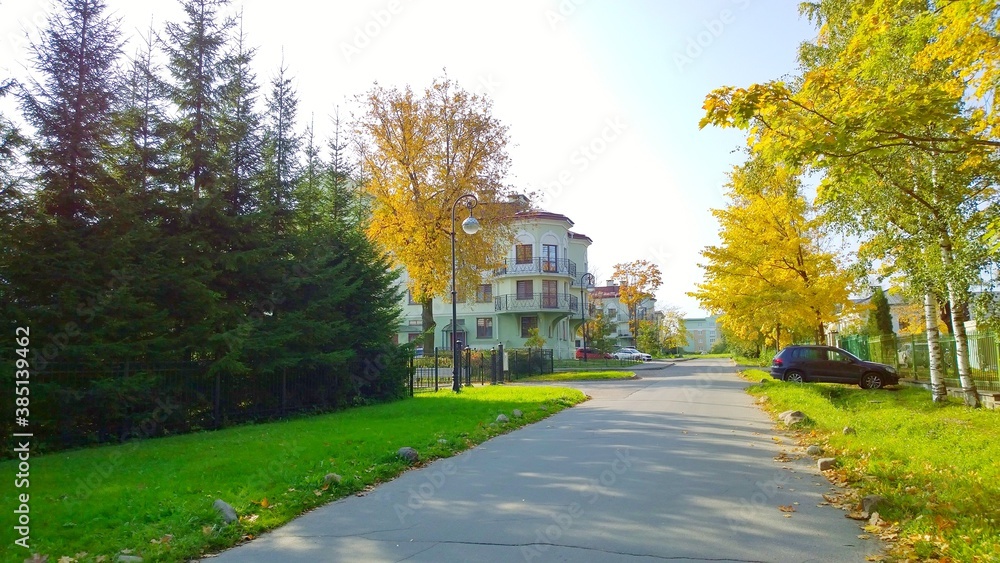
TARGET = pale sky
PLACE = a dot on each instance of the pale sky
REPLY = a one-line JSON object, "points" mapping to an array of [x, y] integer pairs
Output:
{"points": [[602, 97]]}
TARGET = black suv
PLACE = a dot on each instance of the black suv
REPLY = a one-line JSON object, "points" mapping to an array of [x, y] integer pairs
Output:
{"points": [[830, 364]]}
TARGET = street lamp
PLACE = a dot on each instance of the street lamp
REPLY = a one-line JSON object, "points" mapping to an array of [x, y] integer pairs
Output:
{"points": [[470, 226], [586, 281]]}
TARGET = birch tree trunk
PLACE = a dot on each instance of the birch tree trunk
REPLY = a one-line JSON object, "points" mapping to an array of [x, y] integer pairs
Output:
{"points": [[938, 391], [969, 391]]}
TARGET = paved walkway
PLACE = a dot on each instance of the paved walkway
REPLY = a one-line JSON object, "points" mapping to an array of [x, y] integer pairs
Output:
{"points": [[675, 466]]}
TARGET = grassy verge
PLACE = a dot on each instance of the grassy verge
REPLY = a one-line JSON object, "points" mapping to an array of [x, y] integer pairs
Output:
{"points": [[582, 375], [936, 465], [154, 498], [590, 365]]}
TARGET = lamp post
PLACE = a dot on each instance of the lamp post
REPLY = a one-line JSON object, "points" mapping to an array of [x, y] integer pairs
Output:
{"points": [[586, 281], [470, 226]]}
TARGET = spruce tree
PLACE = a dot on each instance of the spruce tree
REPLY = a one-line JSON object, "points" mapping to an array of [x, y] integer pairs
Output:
{"points": [[879, 318], [195, 49], [63, 263], [281, 148]]}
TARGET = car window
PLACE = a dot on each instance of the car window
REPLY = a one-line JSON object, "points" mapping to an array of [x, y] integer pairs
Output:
{"points": [[812, 354], [837, 356]]}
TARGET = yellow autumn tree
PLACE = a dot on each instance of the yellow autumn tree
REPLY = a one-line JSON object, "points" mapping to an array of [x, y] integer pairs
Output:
{"points": [[638, 281], [420, 153], [769, 278]]}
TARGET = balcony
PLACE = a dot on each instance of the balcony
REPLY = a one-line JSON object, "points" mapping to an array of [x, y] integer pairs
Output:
{"points": [[563, 267], [555, 302]]}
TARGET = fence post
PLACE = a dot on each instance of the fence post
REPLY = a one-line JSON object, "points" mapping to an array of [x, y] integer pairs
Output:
{"points": [[411, 370], [435, 369], [468, 366], [284, 391], [500, 361], [217, 400]]}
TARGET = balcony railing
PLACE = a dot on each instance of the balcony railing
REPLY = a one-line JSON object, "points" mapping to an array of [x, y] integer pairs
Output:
{"points": [[562, 302], [562, 267]]}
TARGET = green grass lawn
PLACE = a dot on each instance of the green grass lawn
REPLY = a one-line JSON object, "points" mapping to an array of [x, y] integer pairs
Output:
{"points": [[582, 375], [936, 465], [154, 497]]}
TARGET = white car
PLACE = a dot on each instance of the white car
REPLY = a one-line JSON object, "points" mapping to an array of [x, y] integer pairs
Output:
{"points": [[630, 354]]}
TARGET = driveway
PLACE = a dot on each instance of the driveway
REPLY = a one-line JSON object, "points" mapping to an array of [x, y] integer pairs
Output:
{"points": [[675, 466]]}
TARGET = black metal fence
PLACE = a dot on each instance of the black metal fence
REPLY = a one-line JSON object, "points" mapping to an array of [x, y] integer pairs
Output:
{"points": [[479, 367], [76, 404]]}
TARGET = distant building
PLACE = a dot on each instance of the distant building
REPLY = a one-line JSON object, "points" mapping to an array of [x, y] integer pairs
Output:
{"points": [[702, 333], [607, 299], [538, 286]]}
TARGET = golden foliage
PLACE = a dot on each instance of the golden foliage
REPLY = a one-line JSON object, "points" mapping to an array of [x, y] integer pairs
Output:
{"points": [[420, 153], [769, 274], [637, 280]]}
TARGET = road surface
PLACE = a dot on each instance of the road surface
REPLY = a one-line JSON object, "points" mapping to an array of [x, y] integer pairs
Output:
{"points": [[675, 466]]}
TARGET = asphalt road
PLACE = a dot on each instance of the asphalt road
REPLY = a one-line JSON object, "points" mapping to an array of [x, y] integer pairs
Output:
{"points": [[676, 466]]}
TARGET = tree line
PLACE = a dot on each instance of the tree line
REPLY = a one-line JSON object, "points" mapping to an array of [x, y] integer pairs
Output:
{"points": [[164, 205], [893, 110]]}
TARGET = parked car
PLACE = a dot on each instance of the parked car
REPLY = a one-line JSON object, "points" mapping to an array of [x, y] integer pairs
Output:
{"points": [[591, 354], [829, 364], [630, 354]]}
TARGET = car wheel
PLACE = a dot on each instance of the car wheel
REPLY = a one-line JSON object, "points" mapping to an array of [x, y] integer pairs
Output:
{"points": [[794, 377], [871, 381]]}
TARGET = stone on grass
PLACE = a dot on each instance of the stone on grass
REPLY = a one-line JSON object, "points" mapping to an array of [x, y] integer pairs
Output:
{"points": [[128, 558], [849, 430], [814, 450], [870, 503], [331, 478], [517, 413], [502, 419], [442, 441], [409, 454], [792, 417], [228, 512], [825, 463]]}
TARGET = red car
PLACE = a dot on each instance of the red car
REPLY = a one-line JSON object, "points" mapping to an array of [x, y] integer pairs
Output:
{"points": [[591, 354]]}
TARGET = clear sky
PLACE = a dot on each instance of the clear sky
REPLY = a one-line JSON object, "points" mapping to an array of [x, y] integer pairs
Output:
{"points": [[602, 97]]}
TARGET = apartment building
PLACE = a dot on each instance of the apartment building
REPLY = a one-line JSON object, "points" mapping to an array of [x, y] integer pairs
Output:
{"points": [[538, 286], [606, 299], [702, 333]]}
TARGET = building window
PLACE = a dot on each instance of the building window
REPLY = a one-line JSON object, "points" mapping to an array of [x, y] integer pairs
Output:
{"points": [[550, 294], [528, 323], [484, 293], [525, 289], [523, 254], [550, 262], [484, 328], [416, 322], [612, 313]]}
